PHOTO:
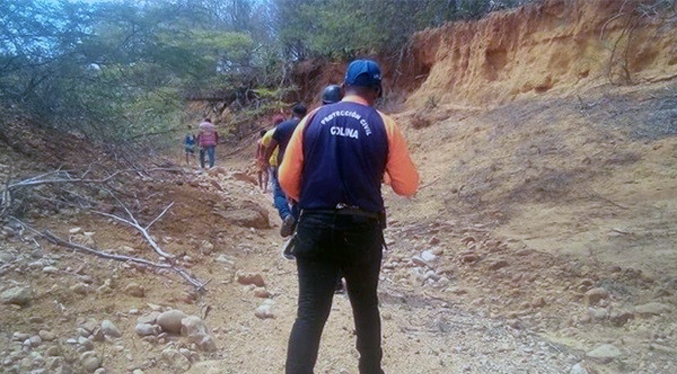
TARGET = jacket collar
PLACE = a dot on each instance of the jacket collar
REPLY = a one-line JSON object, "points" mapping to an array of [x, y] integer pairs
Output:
{"points": [[355, 99]]}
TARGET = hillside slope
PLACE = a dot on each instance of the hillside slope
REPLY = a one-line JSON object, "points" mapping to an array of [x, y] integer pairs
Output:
{"points": [[552, 129], [560, 46]]}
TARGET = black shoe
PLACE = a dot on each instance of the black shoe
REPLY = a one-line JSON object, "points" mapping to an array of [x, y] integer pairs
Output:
{"points": [[288, 248], [288, 226]]}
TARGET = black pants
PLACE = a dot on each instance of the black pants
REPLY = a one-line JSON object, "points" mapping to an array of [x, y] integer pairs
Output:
{"points": [[329, 244]]}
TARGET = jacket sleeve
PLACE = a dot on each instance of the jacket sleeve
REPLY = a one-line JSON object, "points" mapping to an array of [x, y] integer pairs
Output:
{"points": [[292, 164], [403, 176]]}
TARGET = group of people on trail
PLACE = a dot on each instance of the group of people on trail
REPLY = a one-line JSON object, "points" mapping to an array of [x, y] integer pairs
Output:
{"points": [[205, 142], [327, 188]]}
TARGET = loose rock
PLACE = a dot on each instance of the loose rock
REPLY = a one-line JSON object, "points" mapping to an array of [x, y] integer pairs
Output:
{"points": [[109, 329], [80, 288], [176, 360], [170, 321], [469, 258], [20, 336], [35, 340], [20, 295], [135, 289], [50, 270], [53, 351], [429, 257], [593, 296], [251, 278], [265, 311], [90, 361], [598, 313], [652, 309], [53, 362], [419, 261], [85, 344], [150, 319], [604, 354], [206, 247], [262, 293], [225, 260], [195, 329], [538, 302], [498, 264], [63, 369], [620, 317], [90, 326], [578, 369], [128, 250]]}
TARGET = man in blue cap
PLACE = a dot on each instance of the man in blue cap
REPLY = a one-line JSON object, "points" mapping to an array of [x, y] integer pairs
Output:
{"points": [[333, 167]]}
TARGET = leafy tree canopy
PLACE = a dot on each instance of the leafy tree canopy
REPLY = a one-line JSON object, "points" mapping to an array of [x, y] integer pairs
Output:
{"points": [[115, 70]]}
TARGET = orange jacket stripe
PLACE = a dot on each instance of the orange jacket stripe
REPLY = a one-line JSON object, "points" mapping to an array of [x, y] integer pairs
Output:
{"points": [[400, 169]]}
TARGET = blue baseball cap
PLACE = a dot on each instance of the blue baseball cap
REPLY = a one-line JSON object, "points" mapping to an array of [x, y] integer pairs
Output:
{"points": [[364, 73]]}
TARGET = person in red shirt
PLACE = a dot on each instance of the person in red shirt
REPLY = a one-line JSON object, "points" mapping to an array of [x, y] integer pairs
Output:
{"points": [[334, 166], [207, 139]]}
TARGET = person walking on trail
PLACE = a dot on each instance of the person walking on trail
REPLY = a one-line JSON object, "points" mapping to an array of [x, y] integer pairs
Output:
{"points": [[207, 139], [333, 166], [266, 166], [330, 95], [283, 132], [189, 143]]}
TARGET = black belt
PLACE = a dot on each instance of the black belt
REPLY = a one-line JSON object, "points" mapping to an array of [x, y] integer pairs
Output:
{"points": [[353, 211], [343, 212]]}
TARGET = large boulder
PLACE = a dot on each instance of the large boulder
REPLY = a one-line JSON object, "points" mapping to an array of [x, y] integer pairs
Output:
{"points": [[247, 214]]}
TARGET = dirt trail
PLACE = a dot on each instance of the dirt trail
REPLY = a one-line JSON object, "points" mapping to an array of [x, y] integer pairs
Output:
{"points": [[485, 301], [424, 331]]}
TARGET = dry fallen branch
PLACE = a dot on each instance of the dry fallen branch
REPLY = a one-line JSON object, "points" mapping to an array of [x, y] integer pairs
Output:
{"points": [[35, 181], [430, 183], [132, 221], [595, 195], [200, 286], [56, 240], [55, 177]]}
